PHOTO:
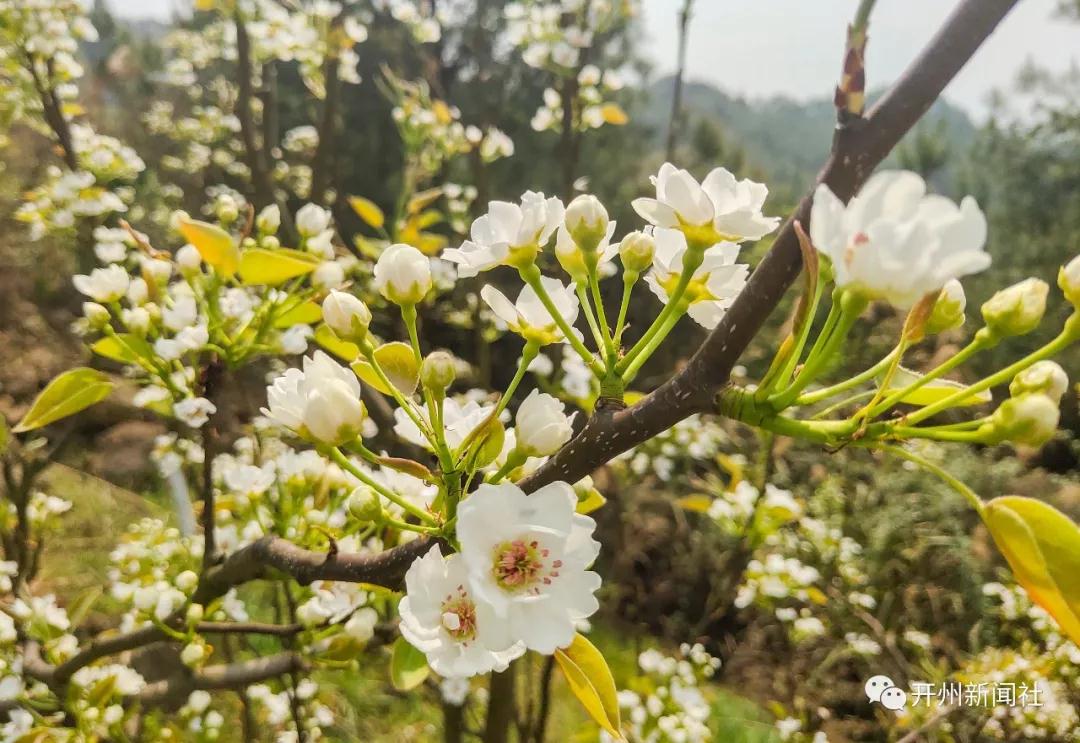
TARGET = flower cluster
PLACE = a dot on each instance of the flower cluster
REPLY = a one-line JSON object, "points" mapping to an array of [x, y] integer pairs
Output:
{"points": [[592, 107], [664, 704]]}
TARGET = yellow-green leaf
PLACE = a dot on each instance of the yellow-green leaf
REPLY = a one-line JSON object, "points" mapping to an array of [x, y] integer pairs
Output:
{"points": [[272, 267], [614, 114], [398, 363], [592, 501], [216, 246], [126, 348], [305, 313], [697, 503], [1042, 546], [368, 211], [408, 666], [344, 350], [72, 391], [589, 678], [423, 200], [932, 391]]}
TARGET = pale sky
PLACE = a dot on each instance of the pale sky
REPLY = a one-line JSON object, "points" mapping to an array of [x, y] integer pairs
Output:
{"points": [[760, 48]]}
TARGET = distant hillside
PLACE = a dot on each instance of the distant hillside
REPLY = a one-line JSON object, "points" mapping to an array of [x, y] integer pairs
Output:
{"points": [[785, 138]]}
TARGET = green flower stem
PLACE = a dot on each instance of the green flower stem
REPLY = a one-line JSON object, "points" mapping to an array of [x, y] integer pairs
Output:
{"points": [[598, 300], [590, 317], [980, 342], [851, 306], [149, 365], [658, 337], [936, 433], [1067, 336], [531, 276], [841, 404], [629, 279], [527, 355], [689, 267], [782, 373], [418, 528], [343, 462], [408, 314], [811, 398], [513, 460], [932, 468]]}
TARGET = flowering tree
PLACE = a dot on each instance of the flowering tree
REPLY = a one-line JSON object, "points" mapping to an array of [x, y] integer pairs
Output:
{"points": [[371, 501]]}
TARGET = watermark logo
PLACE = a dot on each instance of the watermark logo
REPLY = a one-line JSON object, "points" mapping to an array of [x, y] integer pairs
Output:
{"points": [[882, 690]]}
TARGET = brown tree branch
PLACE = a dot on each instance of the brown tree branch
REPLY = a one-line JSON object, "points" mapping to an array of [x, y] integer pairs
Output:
{"points": [[173, 691], [859, 146], [322, 166], [677, 82]]}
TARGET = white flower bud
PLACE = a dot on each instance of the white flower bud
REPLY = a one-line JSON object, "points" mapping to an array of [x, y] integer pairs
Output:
{"points": [[195, 613], [177, 218], [438, 371], [1030, 419], [136, 319], [311, 220], [365, 505], [192, 654], [587, 220], [541, 426], [199, 701], [329, 275], [1043, 377], [636, 251], [97, 316], [188, 259], [948, 312], [1017, 309], [403, 274], [269, 220], [226, 209], [346, 315], [186, 580], [361, 625], [1069, 281], [145, 598]]}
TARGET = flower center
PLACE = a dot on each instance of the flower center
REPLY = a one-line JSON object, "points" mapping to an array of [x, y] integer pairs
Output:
{"points": [[521, 565], [459, 615]]}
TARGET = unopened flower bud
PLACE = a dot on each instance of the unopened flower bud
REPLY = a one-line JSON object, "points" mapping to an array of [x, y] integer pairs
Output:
{"points": [[193, 654], [188, 259], [346, 315], [269, 220], [186, 580], [1029, 419], [365, 505], [177, 218], [97, 316], [1043, 377], [195, 613], [438, 372], [1069, 281], [542, 427], [270, 242], [587, 220], [226, 209], [248, 243], [1017, 309], [403, 274], [311, 220], [636, 251], [948, 312]]}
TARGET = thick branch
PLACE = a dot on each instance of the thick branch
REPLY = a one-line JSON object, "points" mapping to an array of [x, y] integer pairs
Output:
{"points": [[858, 148], [173, 691], [322, 166]]}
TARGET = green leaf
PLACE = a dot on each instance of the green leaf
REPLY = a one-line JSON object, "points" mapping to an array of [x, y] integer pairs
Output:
{"points": [[72, 391], [272, 267], [344, 350], [408, 666], [216, 246], [1042, 546], [127, 348], [398, 363], [932, 391], [368, 211], [305, 313], [589, 678]]}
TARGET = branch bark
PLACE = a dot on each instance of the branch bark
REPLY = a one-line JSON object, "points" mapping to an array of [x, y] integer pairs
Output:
{"points": [[677, 82], [859, 146], [173, 691]]}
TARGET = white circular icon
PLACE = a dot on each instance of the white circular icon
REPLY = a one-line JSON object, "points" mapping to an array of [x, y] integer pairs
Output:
{"points": [[894, 698], [876, 686]]}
